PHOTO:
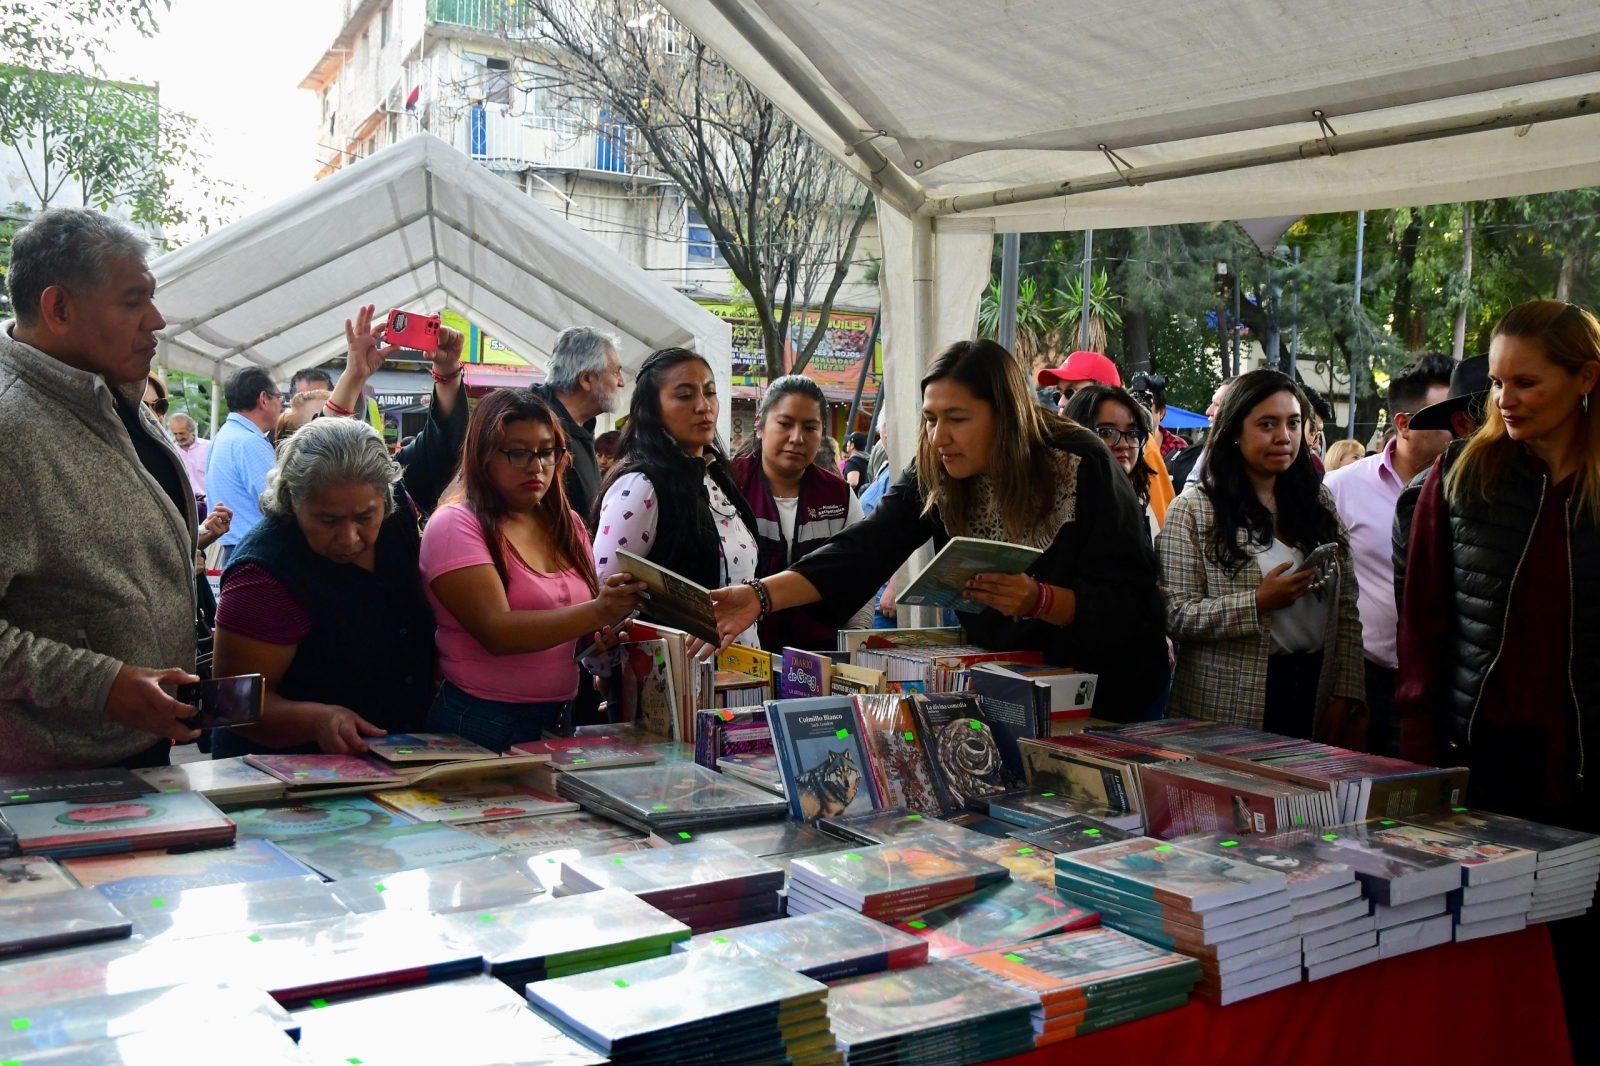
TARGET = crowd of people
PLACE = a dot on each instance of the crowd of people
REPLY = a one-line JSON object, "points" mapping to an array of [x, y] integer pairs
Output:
{"points": [[1427, 600]]}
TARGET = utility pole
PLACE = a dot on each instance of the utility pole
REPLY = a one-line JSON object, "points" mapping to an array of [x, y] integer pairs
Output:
{"points": [[1361, 235]]}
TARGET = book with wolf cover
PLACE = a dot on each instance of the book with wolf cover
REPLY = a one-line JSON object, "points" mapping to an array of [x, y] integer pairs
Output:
{"points": [[899, 761], [1170, 874], [943, 582], [725, 731], [823, 757], [674, 599], [995, 917], [962, 750]]}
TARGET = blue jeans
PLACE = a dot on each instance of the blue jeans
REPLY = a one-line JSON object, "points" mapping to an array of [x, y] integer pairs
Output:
{"points": [[491, 723]]}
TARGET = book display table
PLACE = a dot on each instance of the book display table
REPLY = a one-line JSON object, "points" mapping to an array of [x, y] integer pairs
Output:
{"points": [[1494, 1000]]}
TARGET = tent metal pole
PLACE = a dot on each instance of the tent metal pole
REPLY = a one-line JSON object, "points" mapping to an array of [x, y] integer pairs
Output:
{"points": [[861, 378], [891, 181], [1361, 235], [1238, 327], [1294, 328], [1088, 281], [1511, 115], [1010, 254], [216, 399]]}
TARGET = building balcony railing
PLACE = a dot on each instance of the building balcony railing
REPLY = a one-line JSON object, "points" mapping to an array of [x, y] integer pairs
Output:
{"points": [[504, 141], [486, 16]]}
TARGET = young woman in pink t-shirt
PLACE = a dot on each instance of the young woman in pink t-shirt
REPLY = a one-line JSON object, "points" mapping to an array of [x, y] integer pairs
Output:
{"points": [[511, 577]]}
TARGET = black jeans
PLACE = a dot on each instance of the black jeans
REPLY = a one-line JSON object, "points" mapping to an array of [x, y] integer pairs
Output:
{"points": [[1383, 725], [1291, 703]]}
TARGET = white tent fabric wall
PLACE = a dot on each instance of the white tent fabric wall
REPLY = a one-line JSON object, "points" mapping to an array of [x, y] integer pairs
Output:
{"points": [[1040, 116], [418, 225]]}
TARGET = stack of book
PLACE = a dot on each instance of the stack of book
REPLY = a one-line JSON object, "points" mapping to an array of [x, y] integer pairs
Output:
{"points": [[554, 938], [59, 919], [1496, 888], [80, 786], [1035, 808], [825, 946], [1232, 916], [1044, 693], [1568, 861], [219, 780], [883, 827], [419, 749], [1091, 980], [1180, 799], [384, 1028], [1072, 834], [706, 886], [240, 908], [458, 886], [777, 842], [142, 874], [670, 798], [252, 1040], [1333, 917], [1087, 770], [941, 1014], [63, 829], [889, 881], [693, 1008], [1409, 888], [1006, 913], [574, 754]]}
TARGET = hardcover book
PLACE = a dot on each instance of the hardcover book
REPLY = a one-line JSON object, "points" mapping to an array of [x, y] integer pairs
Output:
{"points": [[962, 750], [78, 786], [670, 797], [823, 757], [943, 582], [40, 923], [570, 754], [401, 748], [310, 773]]}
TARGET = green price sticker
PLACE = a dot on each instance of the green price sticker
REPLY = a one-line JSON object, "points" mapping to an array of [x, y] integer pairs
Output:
{"points": [[852, 855], [1458, 810], [976, 725], [617, 860], [172, 790], [684, 836], [1387, 821], [19, 795], [1330, 836], [910, 735], [660, 807], [1163, 847], [158, 903], [301, 773], [1011, 957], [380, 888], [620, 983], [1230, 843], [719, 940], [353, 1061], [485, 917], [1048, 795], [405, 751], [255, 938], [841, 734], [918, 925], [1091, 832], [913, 817], [318, 1004], [576, 762], [1024, 851], [21, 1024]]}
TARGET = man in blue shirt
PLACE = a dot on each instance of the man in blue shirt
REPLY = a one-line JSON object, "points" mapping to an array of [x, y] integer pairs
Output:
{"points": [[241, 453]]}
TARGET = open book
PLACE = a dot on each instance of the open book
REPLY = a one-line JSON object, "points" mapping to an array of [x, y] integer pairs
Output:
{"points": [[943, 583], [674, 599]]}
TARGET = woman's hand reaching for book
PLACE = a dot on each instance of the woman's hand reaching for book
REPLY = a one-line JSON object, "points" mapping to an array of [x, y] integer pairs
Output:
{"points": [[339, 731], [738, 608]]}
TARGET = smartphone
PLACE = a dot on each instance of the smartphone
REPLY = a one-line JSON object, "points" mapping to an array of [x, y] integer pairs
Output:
{"points": [[223, 702], [410, 330], [1319, 555], [594, 648]]}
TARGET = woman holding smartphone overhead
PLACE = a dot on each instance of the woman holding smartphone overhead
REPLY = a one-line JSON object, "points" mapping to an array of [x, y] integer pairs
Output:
{"points": [[1259, 587], [509, 571], [993, 464]]}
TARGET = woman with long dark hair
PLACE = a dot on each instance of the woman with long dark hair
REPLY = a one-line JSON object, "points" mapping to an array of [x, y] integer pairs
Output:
{"points": [[670, 497], [1264, 640], [992, 463], [510, 575], [1117, 418]]}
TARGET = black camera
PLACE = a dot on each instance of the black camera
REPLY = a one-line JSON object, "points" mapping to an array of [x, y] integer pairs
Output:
{"points": [[1148, 388]]}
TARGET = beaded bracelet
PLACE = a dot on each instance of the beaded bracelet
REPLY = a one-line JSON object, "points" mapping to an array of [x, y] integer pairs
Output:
{"points": [[334, 409], [761, 594]]}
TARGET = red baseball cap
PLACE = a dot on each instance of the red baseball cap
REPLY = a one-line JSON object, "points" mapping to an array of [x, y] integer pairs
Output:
{"points": [[1083, 366]]}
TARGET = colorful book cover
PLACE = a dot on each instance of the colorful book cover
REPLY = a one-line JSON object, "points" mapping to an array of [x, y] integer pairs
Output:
{"points": [[530, 938], [219, 779], [1037, 808], [899, 762], [161, 873], [943, 583], [383, 851], [1481, 861], [1290, 854], [77, 786], [720, 732], [316, 816], [1085, 965], [962, 750], [823, 756], [1550, 842], [848, 680], [426, 747], [169, 818], [32, 875], [825, 946], [674, 599], [752, 661], [910, 869], [941, 995], [803, 675], [552, 832], [997, 916], [1171, 874], [895, 823], [487, 802], [678, 877], [649, 699], [588, 753], [39, 923], [757, 768], [1187, 798], [300, 771]]}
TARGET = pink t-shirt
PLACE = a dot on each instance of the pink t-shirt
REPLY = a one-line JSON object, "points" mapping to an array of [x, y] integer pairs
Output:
{"points": [[453, 540]]}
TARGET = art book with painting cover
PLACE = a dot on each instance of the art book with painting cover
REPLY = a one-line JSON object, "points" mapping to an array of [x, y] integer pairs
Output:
{"points": [[1391, 872], [350, 814], [649, 697], [670, 797], [384, 851], [899, 761], [1553, 844], [1171, 874], [219, 780], [962, 750], [139, 874], [1091, 973], [485, 801], [674, 599], [726, 731], [77, 786], [42, 923], [883, 878], [933, 1003], [305, 774], [1482, 862], [24, 876], [943, 582], [825, 946], [822, 755], [1007, 913], [63, 829], [404, 748], [804, 675]]}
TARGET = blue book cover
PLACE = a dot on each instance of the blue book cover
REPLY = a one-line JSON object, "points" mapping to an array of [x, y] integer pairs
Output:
{"points": [[161, 873], [822, 754]]}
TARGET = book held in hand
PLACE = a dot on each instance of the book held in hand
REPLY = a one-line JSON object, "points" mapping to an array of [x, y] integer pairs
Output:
{"points": [[674, 599], [943, 582]]}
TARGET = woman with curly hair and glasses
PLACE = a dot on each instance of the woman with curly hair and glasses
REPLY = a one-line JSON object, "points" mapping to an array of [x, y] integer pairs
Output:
{"points": [[1121, 421]]}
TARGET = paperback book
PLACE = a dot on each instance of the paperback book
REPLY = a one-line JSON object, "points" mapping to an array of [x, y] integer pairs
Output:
{"points": [[1171, 874], [670, 797], [892, 881], [943, 582], [77, 786], [404, 748], [349, 814], [997, 916], [219, 780], [487, 802], [573, 754], [823, 758], [457, 886], [325, 773], [43, 923], [721, 732], [899, 762], [159, 874], [670, 878], [63, 829], [942, 1012], [804, 675], [386, 851], [962, 750], [649, 695], [825, 946], [674, 599], [24, 876]]}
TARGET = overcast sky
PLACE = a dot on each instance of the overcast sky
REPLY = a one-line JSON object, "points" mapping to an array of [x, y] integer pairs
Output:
{"points": [[235, 66]]}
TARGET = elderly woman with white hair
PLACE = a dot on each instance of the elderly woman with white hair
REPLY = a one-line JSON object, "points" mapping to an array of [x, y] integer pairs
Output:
{"points": [[324, 599]]}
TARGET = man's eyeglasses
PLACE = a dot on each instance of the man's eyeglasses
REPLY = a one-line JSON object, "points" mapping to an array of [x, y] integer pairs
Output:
{"points": [[522, 458], [1113, 436]]}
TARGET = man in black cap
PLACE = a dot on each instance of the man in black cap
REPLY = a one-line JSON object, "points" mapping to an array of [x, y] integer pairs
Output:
{"points": [[1461, 414]]}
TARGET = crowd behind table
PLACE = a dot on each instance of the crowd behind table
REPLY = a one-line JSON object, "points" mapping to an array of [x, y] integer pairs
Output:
{"points": [[1453, 616]]}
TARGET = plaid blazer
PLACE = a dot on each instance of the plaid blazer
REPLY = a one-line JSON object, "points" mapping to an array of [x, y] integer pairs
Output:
{"points": [[1222, 645]]}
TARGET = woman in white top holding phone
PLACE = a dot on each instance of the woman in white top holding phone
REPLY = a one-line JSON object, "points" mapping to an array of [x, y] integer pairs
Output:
{"points": [[1259, 588]]}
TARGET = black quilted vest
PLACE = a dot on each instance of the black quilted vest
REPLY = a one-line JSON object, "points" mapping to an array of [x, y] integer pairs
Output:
{"points": [[1487, 541], [371, 642]]}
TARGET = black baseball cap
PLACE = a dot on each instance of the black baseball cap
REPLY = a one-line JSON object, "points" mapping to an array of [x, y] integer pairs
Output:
{"points": [[1469, 386]]}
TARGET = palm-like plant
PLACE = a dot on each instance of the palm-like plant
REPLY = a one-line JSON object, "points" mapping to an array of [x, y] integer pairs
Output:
{"points": [[1103, 313], [1037, 319]]}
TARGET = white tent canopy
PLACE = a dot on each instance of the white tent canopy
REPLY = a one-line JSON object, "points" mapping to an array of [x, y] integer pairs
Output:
{"points": [[968, 119], [419, 226]]}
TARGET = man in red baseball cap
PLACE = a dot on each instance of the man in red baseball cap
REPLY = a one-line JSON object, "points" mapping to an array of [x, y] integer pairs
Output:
{"points": [[1091, 368]]}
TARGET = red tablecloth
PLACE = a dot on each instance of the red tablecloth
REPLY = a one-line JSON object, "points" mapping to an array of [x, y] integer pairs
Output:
{"points": [[1494, 1000]]}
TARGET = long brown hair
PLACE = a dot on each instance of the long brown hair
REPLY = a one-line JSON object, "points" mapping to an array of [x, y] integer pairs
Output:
{"points": [[1570, 337], [475, 488], [1019, 465]]}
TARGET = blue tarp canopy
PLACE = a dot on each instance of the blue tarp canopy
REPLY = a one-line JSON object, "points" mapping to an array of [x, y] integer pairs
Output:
{"points": [[1178, 418]]}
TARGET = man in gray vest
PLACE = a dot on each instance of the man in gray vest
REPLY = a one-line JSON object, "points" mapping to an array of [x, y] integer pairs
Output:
{"points": [[97, 519], [585, 374]]}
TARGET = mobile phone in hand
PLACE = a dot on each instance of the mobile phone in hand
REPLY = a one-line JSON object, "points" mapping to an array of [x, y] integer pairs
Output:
{"points": [[594, 648], [223, 702], [1322, 553]]}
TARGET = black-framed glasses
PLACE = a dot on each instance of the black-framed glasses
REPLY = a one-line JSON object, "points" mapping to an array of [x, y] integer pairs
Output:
{"points": [[522, 458], [1114, 436]]}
